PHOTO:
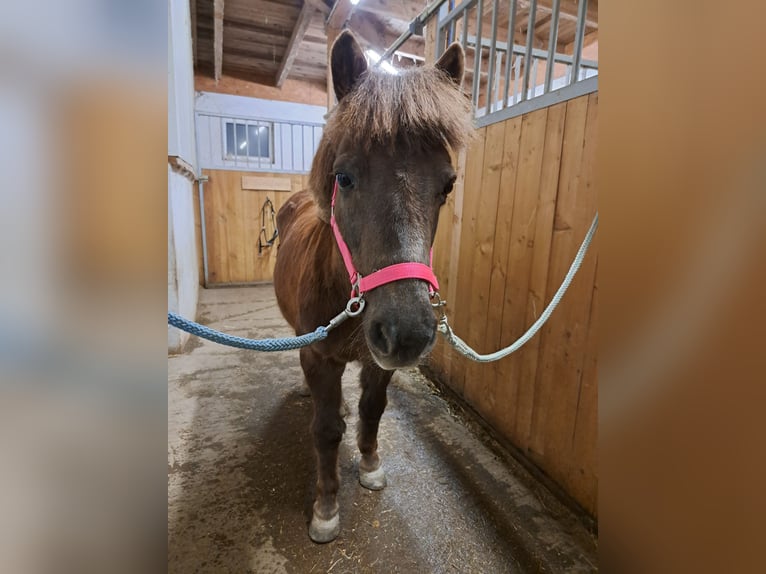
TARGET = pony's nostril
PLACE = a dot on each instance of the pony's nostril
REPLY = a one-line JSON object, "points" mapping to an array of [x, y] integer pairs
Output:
{"points": [[384, 337]]}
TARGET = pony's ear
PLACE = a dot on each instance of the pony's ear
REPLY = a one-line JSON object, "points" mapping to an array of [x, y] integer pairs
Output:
{"points": [[348, 63], [453, 62]]}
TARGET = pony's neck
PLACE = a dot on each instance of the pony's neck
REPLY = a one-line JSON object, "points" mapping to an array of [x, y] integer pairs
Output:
{"points": [[329, 263]]}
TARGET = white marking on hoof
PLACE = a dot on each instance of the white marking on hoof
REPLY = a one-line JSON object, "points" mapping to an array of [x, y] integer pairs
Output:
{"points": [[322, 530], [374, 480]]}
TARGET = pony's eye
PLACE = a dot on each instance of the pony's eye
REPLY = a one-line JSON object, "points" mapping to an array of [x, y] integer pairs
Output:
{"points": [[344, 181], [448, 187]]}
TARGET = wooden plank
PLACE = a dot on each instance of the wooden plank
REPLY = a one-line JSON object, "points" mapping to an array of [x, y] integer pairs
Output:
{"points": [[478, 388], [560, 361], [217, 39], [299, 31], [538, 278], [459, 310], [582, 471], [498, 279], [572, 329], [266, 183], [520, 251]]}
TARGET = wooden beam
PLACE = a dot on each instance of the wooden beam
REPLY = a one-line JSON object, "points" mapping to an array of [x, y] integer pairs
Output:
{"points": [[217, 39], [299, 31], [404, 11], [319, 6], [568, 10], [370, 28], [193, 9], [339, 15]]}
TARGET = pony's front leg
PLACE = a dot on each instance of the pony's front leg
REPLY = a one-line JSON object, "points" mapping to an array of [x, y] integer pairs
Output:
{"points": [[323, 377], [371, 406]]}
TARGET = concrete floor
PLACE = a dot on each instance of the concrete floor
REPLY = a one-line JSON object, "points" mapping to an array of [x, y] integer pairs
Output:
{"points": [[241, 472]]}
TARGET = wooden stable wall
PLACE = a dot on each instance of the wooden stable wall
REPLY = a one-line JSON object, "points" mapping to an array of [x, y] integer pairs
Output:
{"points": [[506, 239], [233, 223]]}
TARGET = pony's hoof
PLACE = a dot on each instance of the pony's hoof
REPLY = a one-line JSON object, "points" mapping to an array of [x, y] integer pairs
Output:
{"points": [[321, 530], [304, 390], [344, 410], [373, 480]]}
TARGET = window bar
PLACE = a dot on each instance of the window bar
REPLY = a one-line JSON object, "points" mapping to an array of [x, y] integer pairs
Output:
{"points": [[247, 139], [582, 11], [509, 54], [303, 148], [534, 76], [528, 51], [491, 66], [552, 43], [516, 79], [477, 57]]}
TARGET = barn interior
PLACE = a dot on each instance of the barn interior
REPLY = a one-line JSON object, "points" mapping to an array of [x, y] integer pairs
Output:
{"points": [[492, 467]]}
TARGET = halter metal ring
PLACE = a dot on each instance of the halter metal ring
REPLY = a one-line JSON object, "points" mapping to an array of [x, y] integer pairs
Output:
{"points": [[355, 306]]}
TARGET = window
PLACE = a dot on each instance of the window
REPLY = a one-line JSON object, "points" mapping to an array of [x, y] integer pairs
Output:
{"points": [[249, 140]]}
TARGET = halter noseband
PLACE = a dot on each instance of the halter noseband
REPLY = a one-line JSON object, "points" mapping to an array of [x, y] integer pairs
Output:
{"points": [[395, 272]]}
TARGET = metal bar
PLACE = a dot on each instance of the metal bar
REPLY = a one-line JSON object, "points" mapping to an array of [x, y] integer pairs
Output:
{"points": [[536, 52], [528, 52], [303, 148], [477, 58], [491, 67], [582, 11], [509, 56], [555, 97], [457, 12], [203, 230], [553, 39], [257, 119], [464, 32], [516, 74], [534, 76], [427, 12], [498, 75]]}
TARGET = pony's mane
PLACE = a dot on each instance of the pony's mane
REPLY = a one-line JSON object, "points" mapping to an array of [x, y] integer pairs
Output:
{"points": [[422, 106]]}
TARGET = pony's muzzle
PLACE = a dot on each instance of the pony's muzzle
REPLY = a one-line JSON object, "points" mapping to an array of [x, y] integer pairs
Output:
{"points": [[398, 339]]}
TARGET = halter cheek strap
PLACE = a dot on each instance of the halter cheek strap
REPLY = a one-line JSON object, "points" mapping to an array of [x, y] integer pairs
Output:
{"points": [[396, 272]]}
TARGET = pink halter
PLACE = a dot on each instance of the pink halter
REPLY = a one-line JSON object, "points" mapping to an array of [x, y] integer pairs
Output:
{"points": [[396, 272]]}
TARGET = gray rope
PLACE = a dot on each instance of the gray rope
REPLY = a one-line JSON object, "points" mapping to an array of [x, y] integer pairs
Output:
{"points": [[463, 348], [267, 345], [354, 307]]}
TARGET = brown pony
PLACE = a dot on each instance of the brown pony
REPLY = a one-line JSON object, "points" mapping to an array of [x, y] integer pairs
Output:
{"points": [[386, 145]]}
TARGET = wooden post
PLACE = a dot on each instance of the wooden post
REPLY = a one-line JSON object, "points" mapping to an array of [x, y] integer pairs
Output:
{"points": [[217, 39], [299, 31]]}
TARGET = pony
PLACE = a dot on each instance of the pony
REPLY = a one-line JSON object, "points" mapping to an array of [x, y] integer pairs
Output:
{"points": [[384, 161]]}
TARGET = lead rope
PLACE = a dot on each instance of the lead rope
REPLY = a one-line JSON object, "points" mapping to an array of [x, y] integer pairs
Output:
{"points": [[355, 306], [464, 349]]}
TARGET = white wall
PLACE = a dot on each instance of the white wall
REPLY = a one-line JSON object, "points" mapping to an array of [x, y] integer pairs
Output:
{"points": [[297, 129], [183, 286]]}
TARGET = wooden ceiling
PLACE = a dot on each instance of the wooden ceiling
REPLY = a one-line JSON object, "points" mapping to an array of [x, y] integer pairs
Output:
{"points": [[268, 41]]}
